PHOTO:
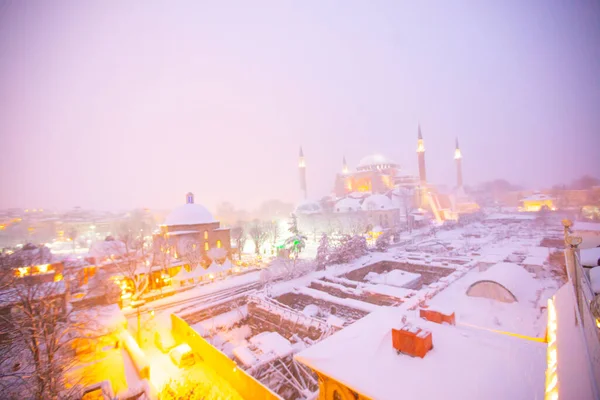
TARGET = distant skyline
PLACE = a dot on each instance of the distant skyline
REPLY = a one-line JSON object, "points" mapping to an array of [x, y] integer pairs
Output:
{"points": [[133, 104]]}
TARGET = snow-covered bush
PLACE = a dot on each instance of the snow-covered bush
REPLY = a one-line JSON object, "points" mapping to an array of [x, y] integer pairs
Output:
{"points": [[349, 248], [383, 241]]}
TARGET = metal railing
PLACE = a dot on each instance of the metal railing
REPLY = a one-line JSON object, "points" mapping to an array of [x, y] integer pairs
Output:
{"points": [[587, 305]]}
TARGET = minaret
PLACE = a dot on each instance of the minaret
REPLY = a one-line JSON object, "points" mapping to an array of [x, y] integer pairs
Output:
{"points": [[458, 158], [302, 169], [421, 156], [344, 166]]}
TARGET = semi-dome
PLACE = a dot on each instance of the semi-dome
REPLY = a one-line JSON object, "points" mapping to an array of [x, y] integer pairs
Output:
{"points": [[376, 161], [308, 207], [189, 214], [377, 202], [347, 205]]}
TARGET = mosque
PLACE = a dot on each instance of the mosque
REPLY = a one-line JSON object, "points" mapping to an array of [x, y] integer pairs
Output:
{"points": [[191, 227], [386, 195]]}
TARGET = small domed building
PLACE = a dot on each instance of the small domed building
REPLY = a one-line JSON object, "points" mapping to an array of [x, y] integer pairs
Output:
{"points": [[191, 227]]}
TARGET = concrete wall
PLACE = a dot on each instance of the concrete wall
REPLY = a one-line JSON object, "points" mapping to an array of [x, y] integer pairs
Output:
{"points": [[246, 385]]}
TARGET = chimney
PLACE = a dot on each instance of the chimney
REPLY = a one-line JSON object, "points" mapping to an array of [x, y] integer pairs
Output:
{"points": [[412, 340], [436, 316]]}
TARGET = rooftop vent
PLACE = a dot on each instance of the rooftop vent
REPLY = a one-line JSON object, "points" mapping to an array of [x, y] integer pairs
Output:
{"points": [[437, 316], [412, 340]]}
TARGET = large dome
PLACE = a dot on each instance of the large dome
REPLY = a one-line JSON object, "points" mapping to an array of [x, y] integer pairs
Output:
{"points": [[189, 214], [376, 161]]}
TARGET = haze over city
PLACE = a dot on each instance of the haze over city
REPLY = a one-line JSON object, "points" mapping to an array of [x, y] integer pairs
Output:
{"points": [[133, 104]]}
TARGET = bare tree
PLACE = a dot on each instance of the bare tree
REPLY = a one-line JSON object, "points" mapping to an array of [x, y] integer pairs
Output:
{"points": [[38, 332], [239, 236], [274, 232], [258, 232]]}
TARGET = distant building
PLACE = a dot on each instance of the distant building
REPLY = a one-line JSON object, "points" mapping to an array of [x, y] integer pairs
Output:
{"points": [[192, 228], [537, 202]]}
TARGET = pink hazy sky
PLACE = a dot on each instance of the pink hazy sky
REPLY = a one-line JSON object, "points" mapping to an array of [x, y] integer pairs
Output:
{"points": [[123, 104]]}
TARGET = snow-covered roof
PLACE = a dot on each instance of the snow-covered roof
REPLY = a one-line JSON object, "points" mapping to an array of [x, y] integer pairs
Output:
{"points": [[308, 207], [512, 276], [537, 197], [375, 160], [179, 233], [586, 226], [377, 202], [189, 214], [107, 248], [590, 257], [347, 205], [362, 358], [534, 260]]}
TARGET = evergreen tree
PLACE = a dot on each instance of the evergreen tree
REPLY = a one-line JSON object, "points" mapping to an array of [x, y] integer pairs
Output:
{"points": [[323, 252]]}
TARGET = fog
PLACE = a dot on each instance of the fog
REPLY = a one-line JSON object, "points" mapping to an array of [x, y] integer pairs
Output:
{"points": [[133, 104]]}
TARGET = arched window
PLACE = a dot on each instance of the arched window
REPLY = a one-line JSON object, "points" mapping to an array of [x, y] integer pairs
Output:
{"points": [[336, 395], [205, 235], [205, 246], [218, 244]]}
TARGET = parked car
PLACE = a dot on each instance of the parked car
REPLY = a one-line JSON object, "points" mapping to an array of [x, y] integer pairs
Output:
{"points": [[182, 355], [164, 342]]}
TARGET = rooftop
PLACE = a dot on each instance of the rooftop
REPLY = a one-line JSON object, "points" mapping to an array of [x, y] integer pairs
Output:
{"points": [[484, 364]]}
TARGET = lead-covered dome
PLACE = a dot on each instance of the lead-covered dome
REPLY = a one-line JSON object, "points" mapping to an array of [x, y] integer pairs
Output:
{"points": [[377, 202], [376, 161], [189, 214]]}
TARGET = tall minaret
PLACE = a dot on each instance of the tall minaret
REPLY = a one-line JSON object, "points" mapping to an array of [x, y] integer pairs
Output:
{"points": [[458, 158], [344, 166], [421, 156], [302, 169]]}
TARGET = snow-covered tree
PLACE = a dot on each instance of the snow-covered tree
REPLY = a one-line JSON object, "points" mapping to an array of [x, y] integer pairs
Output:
{"points": [[348, 249], [383, 241], [37, 336], [274, 232], [323, 252], [258, 232], [297, 241], [239, 237]]}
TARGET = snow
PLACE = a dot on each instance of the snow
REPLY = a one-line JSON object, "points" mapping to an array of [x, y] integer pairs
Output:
{"points": [[264, 347], [335, 321], [375, 160], [178, 233], [522, 317], [311, 310], [387, 290], [537, 261], [377, 202], [595, 279], [590, 257], [575, 381], [317, 294], [308, 207], [347, 205], [515, 217], [272, 342], [189, 214], [395, 277], [225, 320], [537, 197], [483, 364], [586, 226], [245, 355], [512, 276]]}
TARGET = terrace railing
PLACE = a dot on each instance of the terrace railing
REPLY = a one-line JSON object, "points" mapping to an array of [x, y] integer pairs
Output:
{"points": [[588, 305]]}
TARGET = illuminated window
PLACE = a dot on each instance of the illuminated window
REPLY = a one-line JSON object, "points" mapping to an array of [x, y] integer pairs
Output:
{"points": [[218, 244], [205, 246], [205, 235]]}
